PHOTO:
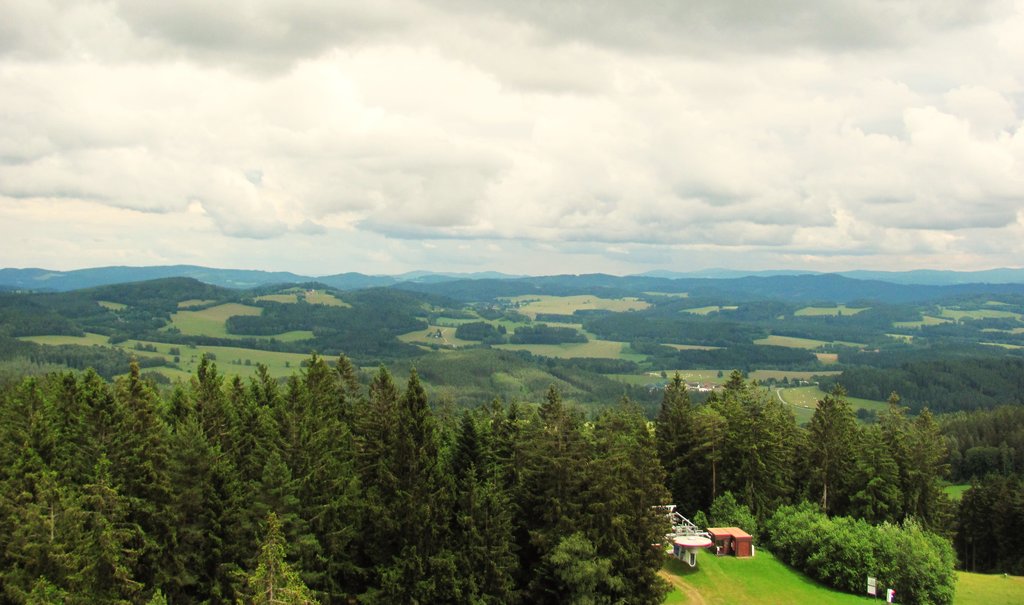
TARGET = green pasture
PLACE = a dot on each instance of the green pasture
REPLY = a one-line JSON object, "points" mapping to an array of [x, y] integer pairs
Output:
{"points": [[229, 360], [709, 310], [280, 298], [210, 322], [804, 400], [426, 337], [985, 589], [113, 306], [759, 580], [87, 340], [829, 311], [457, 321], [532, 304], [790, 374], [903, 337], [679, 347], [606, 349], [764, 580]]}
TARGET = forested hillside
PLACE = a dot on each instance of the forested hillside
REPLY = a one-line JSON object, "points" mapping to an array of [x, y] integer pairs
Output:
{"points": [[116, 493]]}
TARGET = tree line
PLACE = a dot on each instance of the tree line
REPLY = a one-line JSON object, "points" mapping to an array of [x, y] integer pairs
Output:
{"points": [[321, 488]]}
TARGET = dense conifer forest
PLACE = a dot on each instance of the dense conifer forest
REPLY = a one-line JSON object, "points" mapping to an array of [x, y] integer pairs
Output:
{"points": [[330, 489]]}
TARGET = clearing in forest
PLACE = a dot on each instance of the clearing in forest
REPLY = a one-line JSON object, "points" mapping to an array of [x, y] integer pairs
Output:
{"points": [[829, 311], [532, 304], [210, 322]]}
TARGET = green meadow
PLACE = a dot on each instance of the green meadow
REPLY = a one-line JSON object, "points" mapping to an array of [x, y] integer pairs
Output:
{"points": [[210, 321], [802, 343], [605, 349], [764, 580]]}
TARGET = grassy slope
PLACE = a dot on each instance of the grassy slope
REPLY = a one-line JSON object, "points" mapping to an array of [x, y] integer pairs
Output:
{"points": [[765, 580]]}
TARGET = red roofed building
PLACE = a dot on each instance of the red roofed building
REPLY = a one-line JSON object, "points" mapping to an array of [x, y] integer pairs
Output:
{"points": [[732, 541]]}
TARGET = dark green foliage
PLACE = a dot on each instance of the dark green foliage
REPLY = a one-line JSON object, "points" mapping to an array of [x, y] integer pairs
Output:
{"points": [[543, 334], [991, 526], [843, 551], [480, 330]]}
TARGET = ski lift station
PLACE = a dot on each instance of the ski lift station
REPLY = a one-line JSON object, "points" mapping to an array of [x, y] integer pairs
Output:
{"points": [[687, 539]]}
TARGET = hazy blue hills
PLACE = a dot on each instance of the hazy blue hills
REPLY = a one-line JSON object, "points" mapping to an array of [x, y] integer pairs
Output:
{"points": [[794, 286]]}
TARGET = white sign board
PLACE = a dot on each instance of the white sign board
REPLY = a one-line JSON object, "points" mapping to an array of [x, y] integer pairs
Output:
{"points": [[872, 586]]}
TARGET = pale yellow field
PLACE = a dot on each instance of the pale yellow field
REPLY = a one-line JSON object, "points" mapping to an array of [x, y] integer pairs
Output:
{"points": [[958, 314], [671, 294], [318, 297], [607, 349], [801, 343], [708, 310], [903, 337], [193, 302], [691, 347], [829, 311], [113, 306], [531, 305], [926, 320], [827, 358], [280, 298]]}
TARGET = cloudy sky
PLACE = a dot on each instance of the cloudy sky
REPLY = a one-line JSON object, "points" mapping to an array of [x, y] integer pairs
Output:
{"points": [[523, 136]]}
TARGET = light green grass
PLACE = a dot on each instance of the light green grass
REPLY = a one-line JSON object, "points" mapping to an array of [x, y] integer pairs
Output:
{"points": [[956, 492], [425, 337], [764, 580], [790, 374], [901, 337], [606, 349], [286, 299], [113, 306], [210, 322], [804, 400], [279, 364], [531, 304], [457, 321], [1002, 345], [829, 311], [709, 310], [759, 580], [691, 347], [87, 340], [984, 589]]}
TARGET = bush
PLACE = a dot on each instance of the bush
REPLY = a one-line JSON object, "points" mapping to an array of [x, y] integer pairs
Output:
{"points": [[842, 552]]}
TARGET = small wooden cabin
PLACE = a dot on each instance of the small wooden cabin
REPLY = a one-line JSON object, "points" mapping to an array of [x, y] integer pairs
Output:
{"points": [[732, 541]]}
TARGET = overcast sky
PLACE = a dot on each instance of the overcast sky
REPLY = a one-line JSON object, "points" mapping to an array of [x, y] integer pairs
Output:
{"points": [[523, 136]]}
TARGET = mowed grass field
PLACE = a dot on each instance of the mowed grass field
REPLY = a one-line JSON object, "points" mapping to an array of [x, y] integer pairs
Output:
{"points": [[958, 314], [210, 322], [926, 320], [428, 337], [760, 580], [605, 349], [804, 400], [709, 310], [531, 305], [802, 343], [764, 580], [230, 360], [829, 311]]}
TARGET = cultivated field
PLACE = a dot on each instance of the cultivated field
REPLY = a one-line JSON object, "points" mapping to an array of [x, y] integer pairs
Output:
{"points": [[532, 304], [210, 322], [958, 314], [709, 310], [113, 306], [606, 349], [829, 311], [926, 320]]}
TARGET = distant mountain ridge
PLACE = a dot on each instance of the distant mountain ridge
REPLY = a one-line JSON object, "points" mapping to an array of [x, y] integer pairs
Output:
{"points": [[891, 286]]}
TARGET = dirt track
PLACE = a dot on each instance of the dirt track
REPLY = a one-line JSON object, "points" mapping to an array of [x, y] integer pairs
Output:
{"points": [[692, 596]]}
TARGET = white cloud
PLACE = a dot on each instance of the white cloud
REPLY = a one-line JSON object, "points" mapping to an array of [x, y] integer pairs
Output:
{"points": [[613, 135]]}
